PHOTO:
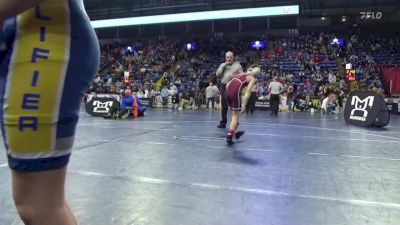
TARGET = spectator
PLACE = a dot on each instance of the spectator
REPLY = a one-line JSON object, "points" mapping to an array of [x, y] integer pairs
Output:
{"points": [[212, 93], [130, 101], [183, 100], [304, 61], [290, 96], [332, 78], [165, 95], [329, 105], [343, 85]]}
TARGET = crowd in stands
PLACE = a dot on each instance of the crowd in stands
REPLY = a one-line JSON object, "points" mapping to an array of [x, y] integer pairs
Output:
{"points": [[309, 66]]}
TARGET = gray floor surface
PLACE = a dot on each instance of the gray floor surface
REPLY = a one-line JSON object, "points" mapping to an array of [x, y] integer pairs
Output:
{"points": [[174, 168]]}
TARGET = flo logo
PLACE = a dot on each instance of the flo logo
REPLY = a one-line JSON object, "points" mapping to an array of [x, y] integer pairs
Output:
{"points": [[371, 15]]}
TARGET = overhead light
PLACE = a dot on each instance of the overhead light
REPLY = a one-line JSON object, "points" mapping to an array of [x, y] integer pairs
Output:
{"points": [[323, 18], [343, 19], [199, 16]]}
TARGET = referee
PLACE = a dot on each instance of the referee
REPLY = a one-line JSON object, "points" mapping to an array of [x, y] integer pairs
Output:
{"points": [[252, 100], [276, 89], [227, 71]]}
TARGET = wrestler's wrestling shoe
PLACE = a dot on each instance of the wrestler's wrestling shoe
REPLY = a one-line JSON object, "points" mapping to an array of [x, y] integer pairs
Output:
{"points": [[229, 139], [124, 116], [238, 134]]}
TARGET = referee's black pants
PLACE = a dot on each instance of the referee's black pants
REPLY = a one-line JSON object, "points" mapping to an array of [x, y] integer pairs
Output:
{"points": [[274, 104], [224, 105], [252, 103]]}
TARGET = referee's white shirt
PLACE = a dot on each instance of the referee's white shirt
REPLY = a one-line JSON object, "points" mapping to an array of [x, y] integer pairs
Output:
{"points": [[275, 87]]}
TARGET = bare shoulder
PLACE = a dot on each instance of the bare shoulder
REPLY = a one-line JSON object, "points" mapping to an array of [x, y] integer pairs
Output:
{"points": [[249, 76]]}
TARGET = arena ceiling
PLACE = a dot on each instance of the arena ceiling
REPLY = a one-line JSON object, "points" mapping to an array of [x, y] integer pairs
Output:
{"points": [[338, 15], [104, 9]]}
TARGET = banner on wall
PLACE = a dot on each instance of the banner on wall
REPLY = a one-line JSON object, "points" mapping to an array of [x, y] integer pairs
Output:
{"points": [[394, 108], [262, 105], [392, 78], [113, 96], [148, 102]]}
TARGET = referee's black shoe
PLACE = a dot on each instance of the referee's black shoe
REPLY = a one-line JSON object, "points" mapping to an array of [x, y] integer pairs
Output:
{"points": [[221, 126], [229, 139]]}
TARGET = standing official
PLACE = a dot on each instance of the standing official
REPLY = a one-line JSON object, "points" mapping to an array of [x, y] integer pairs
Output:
{"points": [[276, 89], [227, 71], [252, 100]]}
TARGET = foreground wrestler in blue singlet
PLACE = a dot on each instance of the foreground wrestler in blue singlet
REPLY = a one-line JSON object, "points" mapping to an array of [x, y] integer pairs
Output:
{"points": [[48, 56]]}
